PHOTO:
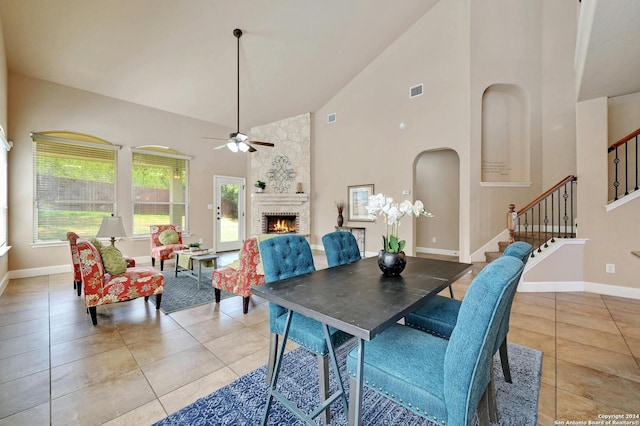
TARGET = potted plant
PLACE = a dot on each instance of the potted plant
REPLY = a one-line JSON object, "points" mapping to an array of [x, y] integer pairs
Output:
{"points": [[260, 185], [194, 246], [391, 258]]}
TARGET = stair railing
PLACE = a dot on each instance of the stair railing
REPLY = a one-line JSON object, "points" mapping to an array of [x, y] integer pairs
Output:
{"points": [[624, 151], [551, 215]]}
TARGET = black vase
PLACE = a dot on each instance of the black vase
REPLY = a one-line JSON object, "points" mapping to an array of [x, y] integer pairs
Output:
{"points": [[340, 219], [391, 264]]}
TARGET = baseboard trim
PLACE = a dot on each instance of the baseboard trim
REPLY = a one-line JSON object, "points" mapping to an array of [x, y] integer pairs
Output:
{"points": [[36, 272], [443, 252], [57, 269], [589, 287]]}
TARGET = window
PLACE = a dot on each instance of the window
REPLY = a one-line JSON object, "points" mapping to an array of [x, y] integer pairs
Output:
{"points": [[75, 184], [5, 146], [160, 188]]}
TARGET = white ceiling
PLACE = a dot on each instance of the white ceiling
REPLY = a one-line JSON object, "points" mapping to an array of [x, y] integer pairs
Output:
{"points": [[612, 55], [180, 56]]}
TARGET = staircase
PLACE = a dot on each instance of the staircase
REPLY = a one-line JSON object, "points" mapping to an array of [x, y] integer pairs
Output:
{"points": [[550, 216]]}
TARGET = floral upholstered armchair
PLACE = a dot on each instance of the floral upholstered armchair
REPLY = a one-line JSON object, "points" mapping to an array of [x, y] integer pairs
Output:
{"points": [[165, 239], [101, 287], [239, 280], [75, 259]]}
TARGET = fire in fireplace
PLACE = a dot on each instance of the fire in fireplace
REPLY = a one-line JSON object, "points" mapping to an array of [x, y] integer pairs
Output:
{"points": [[279, 223]]}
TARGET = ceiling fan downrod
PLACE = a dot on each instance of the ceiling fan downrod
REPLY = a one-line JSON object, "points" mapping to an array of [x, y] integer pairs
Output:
{"points": [[238, 33]]}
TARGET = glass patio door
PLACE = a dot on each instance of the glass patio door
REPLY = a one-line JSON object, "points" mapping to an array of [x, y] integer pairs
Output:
{"points": [[229, 212]]}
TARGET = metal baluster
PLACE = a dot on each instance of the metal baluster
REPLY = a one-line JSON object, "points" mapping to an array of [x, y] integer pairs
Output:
{"points": [[539, 243], [565, 217], [553, 211], [626, 169], [616, 183], [636, 188], [573, 225], [526, 227], [546, 224]]}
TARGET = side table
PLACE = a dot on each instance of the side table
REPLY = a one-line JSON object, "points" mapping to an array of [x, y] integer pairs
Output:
{"points": [[200, 257]]}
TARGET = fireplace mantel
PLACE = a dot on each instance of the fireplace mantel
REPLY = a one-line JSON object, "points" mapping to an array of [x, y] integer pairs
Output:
{"points": [[266, 199]]}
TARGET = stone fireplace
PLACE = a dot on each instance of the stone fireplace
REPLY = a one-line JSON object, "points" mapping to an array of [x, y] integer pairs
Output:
{"points": [[285, 168]]}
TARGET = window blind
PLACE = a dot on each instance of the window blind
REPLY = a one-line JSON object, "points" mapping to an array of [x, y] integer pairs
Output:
{"points": [[75, 185], [160, 180]]}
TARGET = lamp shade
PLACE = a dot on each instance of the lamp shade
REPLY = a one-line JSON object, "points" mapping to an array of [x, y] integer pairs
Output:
{"points": [[112, 228]]}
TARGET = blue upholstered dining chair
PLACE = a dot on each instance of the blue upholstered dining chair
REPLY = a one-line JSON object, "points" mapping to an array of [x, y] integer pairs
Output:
{"points": [[340, 248], [445, 381], [284, 257], [439, 315]]}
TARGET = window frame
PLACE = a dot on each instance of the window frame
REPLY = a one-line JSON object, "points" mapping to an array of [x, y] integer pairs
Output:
{"points": [[164, 152], [77, 140]]}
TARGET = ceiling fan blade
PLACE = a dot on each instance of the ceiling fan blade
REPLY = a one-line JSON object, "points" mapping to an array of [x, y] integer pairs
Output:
{"points": [[221, 146], [262, 143], [252, 149], [217, 139]]}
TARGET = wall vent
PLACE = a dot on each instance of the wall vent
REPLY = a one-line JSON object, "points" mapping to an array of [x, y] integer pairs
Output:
{"points": [[415, 91], [331, 118]]}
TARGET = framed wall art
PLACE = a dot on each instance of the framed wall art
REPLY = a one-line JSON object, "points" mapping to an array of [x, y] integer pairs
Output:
{"points": [[358, 196]]}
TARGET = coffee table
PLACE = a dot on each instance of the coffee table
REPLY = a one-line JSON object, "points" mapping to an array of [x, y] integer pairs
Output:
{"points": [[200, 257]]}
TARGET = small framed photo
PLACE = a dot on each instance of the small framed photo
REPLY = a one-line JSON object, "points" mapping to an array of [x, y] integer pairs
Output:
{"points": [[358, 196]]}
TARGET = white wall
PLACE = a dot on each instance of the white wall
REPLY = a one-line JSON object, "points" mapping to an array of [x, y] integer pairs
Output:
{"points": [[4, 264], [37, 105], [366, 145]]}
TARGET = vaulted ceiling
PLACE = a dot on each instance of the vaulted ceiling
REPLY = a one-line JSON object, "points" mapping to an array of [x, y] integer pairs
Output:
{"points": [[180, 56]]}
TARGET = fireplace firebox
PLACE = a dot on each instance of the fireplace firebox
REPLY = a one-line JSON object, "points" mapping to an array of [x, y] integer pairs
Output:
{"points": [[280, 223]]}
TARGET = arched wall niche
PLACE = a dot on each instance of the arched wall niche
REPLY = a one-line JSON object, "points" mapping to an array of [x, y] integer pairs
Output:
{"points": [[437, 185], [506, 124]]}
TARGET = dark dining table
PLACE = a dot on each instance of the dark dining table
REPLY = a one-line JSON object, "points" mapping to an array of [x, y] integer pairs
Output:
{"points": [[356, 298]]}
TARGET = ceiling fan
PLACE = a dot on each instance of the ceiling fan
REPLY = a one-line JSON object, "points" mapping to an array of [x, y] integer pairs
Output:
{"points": [[239, 141]]}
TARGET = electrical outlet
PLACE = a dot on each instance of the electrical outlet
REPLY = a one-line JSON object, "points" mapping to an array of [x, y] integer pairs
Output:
{"points": [[201, 240], [434, 240], [611, 268]]}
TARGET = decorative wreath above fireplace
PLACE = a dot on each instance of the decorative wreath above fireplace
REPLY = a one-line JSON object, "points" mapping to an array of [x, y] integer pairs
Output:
{"points": [[281, 174]]}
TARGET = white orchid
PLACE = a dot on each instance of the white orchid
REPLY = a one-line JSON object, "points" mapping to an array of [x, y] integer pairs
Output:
{"points": [[381, 205]]}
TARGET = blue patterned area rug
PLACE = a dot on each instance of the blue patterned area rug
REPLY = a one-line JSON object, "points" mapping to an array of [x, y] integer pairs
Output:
{"points": [[242, 402], [182, 292]]}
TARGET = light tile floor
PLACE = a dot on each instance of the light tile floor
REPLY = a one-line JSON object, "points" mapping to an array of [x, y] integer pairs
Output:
{"points": [[138, 365]]}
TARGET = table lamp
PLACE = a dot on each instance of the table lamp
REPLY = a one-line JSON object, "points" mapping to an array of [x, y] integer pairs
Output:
{"points": [[112, 228]]}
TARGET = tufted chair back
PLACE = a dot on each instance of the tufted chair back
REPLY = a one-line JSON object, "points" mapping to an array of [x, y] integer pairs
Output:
{"points": [[283, 257], [468, 356], [519, 249], [340, 248]]}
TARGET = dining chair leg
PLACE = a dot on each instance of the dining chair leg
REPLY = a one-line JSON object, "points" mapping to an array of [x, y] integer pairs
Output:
{"points": [[492, 404], [323, 377], [504, 360], [273, 350], [483, 409]]}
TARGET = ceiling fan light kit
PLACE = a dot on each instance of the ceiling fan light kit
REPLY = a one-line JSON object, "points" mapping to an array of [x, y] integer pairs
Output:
{"points": [[239, 141]]}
